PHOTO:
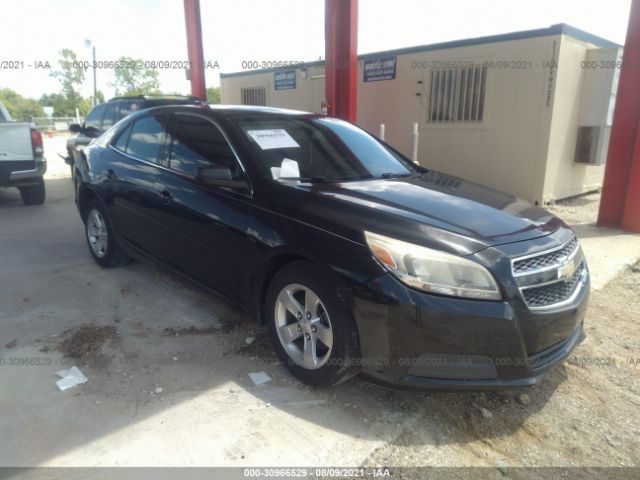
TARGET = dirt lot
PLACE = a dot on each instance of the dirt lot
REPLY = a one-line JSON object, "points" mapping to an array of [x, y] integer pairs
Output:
{"points": [[168, 378]]}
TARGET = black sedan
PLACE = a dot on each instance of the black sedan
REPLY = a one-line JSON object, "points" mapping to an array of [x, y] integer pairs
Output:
{"points": [[354, 257]]}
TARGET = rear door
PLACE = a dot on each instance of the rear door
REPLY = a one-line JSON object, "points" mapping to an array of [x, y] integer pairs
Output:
{"points": [[134, 158]]}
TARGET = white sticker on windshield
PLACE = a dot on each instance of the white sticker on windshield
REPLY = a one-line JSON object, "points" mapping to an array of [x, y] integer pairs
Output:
{"points": [[277, 138]]}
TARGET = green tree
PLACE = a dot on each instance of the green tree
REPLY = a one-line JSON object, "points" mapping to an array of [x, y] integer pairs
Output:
{"points": [[133, 78], [57, 101], [213, 95], [19, 107], [71, 76]]}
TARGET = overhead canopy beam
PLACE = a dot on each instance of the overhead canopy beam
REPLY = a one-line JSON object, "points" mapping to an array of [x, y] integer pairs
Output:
{"points": [[195, 49], [341, 58], [620, 202]]}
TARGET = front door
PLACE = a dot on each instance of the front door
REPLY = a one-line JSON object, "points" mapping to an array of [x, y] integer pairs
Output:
{"points": [[209, 226]]}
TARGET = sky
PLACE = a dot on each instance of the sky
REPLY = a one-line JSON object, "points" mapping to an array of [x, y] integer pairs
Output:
{"points": [[237, 31]]}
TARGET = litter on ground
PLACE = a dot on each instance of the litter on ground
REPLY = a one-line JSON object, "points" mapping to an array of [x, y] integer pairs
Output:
{"points": [[70, 378], [259, 377]]}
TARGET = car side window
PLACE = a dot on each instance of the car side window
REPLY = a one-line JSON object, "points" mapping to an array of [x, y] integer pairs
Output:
{"points": [[147, 138], [196, 142], [123, 139], [127, 108], [94, 119], [110, 116]]}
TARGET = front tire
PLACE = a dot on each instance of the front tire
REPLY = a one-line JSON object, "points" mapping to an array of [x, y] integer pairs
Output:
{"points": [[33, 194], [311, 325], [100, 238]]}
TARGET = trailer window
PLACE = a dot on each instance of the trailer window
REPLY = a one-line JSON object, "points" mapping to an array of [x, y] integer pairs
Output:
{"points": [[457, 95]]}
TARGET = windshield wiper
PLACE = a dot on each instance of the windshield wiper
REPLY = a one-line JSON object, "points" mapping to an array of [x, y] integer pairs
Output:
{"points": [[322, 179], [312, 179], [395, 175]]}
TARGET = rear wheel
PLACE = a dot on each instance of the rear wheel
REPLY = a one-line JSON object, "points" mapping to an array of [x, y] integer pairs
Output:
{"points": [[100, 238], [33, 194], [311, 326]]}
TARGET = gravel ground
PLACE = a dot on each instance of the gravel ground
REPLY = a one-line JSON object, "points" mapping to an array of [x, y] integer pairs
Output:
{"points": [[577, 210]]}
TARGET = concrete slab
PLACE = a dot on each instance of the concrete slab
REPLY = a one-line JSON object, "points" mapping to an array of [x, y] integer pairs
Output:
{"points": [[608, 250]]}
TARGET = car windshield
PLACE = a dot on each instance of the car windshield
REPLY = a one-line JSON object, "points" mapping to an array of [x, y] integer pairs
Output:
{"points": [[320, 149]]}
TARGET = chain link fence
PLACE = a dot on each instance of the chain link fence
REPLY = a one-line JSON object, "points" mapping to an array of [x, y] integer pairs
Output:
{"points": [[55, 124]]}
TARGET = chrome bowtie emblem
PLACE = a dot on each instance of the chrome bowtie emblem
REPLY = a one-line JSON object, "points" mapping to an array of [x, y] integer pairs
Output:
{"points": [[567, 269]]}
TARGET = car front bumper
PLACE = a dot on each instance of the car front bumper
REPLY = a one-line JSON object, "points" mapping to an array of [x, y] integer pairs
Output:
{"points": [[414, 339]]}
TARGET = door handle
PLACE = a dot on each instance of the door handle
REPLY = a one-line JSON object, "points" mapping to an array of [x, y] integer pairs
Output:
{"points": [[165, 196]]}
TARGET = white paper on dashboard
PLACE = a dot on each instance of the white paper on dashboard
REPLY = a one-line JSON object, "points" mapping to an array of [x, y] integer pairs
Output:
{"points": [[276, 138], [289, 168], [275, 172]]}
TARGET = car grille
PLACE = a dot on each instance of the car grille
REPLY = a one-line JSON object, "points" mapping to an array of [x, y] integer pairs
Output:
{"points": [[545, 260], [545, 279], [554, 293]]}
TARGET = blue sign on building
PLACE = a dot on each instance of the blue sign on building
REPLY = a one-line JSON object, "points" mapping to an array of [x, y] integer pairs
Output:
{"points": [[381, 68], [285, 80]]}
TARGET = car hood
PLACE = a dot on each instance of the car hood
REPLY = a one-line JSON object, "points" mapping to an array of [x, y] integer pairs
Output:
{"points": [[432, 208]]}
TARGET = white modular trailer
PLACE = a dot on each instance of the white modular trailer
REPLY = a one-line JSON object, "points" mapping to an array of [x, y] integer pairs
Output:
{"points": [[528, 113]]}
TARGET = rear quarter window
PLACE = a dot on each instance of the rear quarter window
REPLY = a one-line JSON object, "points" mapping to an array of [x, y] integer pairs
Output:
{"points": [[147, 138]]}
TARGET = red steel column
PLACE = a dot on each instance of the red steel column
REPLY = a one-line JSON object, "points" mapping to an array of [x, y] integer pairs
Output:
{"points": [[341, 57], [620, 203], [631, 213], [194, 47]]}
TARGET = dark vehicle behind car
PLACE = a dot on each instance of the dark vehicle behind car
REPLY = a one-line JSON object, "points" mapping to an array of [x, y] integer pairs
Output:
{"points": [[105, 115], [355, 258]]}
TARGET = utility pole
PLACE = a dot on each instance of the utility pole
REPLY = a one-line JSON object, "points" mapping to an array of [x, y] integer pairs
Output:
{"points": [[87, 44], [95, 87]]}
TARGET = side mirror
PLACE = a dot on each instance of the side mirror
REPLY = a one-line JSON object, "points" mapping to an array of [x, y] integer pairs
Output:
{"points": [[92, 132], [75, 128], [219, 177]]}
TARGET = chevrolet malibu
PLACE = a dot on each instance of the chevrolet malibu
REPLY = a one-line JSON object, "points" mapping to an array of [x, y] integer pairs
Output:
{"points": [[355, 258]]}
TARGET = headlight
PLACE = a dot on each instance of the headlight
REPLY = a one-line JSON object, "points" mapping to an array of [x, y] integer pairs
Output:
{"points": [[433, 271]]}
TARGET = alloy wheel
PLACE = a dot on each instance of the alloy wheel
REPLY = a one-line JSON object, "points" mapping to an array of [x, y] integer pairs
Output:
{"points": [[97, 233], [303, 326]]}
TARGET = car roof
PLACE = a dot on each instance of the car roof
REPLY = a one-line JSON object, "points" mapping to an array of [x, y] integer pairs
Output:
{"points": [[233, 110], [258, 109], [157, 98]]}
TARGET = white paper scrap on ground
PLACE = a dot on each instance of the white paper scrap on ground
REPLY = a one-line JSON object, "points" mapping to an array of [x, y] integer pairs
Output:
{"points": [[289, 168], [269, 139], [259, 377], [70, 378]]}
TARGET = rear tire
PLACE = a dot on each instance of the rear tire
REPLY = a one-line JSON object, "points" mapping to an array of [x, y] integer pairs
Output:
{"points": [[33, 194], [100, 238], [311, 325]]}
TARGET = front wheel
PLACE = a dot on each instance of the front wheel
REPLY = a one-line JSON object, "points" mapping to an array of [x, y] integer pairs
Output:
{"points": [[33, 194], [100, 238], [311, 326]]}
